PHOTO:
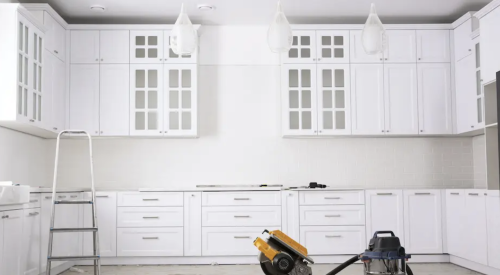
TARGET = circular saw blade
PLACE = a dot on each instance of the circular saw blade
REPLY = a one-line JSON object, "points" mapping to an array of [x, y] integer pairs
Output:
{"points": [[268, 268]]}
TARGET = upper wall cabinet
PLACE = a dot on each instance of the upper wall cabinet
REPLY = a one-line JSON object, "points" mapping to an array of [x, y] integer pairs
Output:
{"points": [[332, 46], [94, 46], [55, 41], [84, 98], [401, 46], [303, 48], [433, 46], [465, 94], [170, 57], [490, 43], [358, 54], [462, 40]]}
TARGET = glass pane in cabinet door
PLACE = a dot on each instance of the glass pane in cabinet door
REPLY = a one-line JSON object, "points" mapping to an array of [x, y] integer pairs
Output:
{"points": [[327, 120], [152, 100], [305, 53], [34, 46], [152, 120], [186, 99], [20, 36], [295, 41], [338, 53], [20, 100], [186, 120], [306, 99], [173, 121], [479, 110], [140, 79], [173, 76], [140, 99], [25, 71], [293, 53], [34, 76], [186, 78], [34, 106], [478, 82], [140, 40], [152, 40], [25, 99], [478, 56], [338, 40], [339, 78], [293, 78], [140, 53], [327, 78], [140, 121], [39, 79], [306, 120], [39, 108], [26, 39], [294, 120], [340, 120], [293, 99], [326, 40], [152, 53], [173, 100], [40, 49], [152, 78], [327, 99], [305, 40], [326, 53], [339, 99], [305, 78], [20, 69]]}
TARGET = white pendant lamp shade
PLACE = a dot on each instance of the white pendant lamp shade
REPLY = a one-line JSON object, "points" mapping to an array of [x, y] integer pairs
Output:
{"points": [[373, 36], [183, 37], [279, 35]]}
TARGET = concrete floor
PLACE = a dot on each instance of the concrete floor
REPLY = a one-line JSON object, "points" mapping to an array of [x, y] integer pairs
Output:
{"points": [[318, 269]]}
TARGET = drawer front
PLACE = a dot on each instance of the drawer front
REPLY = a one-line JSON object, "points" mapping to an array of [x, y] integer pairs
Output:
{"points": [[150, 216], [35, 200], [331, 197], [332, 215], [150, 199], [328, 240], [241, 216], [150, 242], [241, 198], [230, 241]]}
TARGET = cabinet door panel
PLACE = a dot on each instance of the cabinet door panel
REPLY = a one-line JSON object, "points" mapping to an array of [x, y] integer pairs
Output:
{"points": [[299, 100], [55, 37], [466, 108], [303, 48], [334, 100], [84, 47], [2, 233], [332, 240], [493, 226], [455, 210], [48, 89], [433, 45], [332, 46], [192, 224], [462, 40], [24, 68], [400, 98], [59, 96], [146, 100], [12, 254], [384, 211], [401, 47], [490, 43], [171, 57], [57, 248], [106, 221], [475, 217], [114, 100], [84, 98], [434, 99], [31, 241], [367, 96], [358, 54], [114, 46], [35, 91], [146, 47]]}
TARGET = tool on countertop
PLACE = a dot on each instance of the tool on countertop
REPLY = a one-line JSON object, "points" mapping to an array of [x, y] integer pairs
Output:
{"points": [[95, 257], [312, 185], [239, 186]]}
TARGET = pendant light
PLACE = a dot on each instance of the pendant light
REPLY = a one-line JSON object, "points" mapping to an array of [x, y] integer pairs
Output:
{"points": [[373, 36], [183, 37], [279, 35]]}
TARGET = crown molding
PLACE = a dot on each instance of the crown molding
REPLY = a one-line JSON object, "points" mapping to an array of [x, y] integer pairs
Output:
{"points": [[28, 15], [124, 26], [487, 9], [462, 19], [49, 10], [360, 26]]}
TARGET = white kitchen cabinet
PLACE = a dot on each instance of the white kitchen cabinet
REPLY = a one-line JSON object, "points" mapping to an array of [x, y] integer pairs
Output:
{"points": [[146, 99], [55, 41], [331, 240], [192, 223], [147, 199], [332, 215], [400, 99], [490, 43], [12, 242], [358, 54], [152, 242], [455, 219], [331, 197], [493, 226], [113, 101], [384, 211], [332, 46], [36, 89], [401, 46], [24, 63], [85, 47], [241, 216], [290, 215], [149, 217], [367, 97], [433, 46], [54, 98], [48, 79], [434, 98], [303, 48], [465, 97], [230, 241], [479, 112], [422, 221], [462, 41], [84, 98], [146, 47], [180, 116], [299, 100], [171, 57], [106, 222], [475, 220], [334, 99], [241, 198], [114, 46], [31, 242], [2, 234]]}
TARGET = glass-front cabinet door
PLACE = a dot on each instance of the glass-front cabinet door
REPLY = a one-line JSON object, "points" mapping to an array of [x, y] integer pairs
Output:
{"points": [[23, 67], [332, 46], [334, 100], [36, 93], [299, 100], [146, 47], [303, 48], [479, 116], [180, 116], [146, 100], [171, 57]]}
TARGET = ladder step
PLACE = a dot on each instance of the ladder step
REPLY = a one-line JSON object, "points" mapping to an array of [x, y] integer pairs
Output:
{"points": [[88, 229], [73, 202], [74, 258]]}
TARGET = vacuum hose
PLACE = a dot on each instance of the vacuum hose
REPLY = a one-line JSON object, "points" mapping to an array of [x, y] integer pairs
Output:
{"points": [[355, 259], [408, 270]]}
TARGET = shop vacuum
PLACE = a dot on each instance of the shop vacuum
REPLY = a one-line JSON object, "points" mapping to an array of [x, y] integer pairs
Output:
{"points": [[281, 255]]}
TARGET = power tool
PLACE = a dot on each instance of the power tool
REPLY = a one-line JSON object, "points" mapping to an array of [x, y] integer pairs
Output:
{"points": [[281, 255]]}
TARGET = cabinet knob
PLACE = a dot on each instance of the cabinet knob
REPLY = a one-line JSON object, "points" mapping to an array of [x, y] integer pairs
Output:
{"points": [[319, 59], [161, 132], [315, 131], [421, 130], [102, 59], [387, 131], [470, 50], [55, 128], [472, 126], [386, 59], [97, 132], [102, 132], [32, 120], [383, 131], [161, 59], [97, 59], [58, 52], [320, 131], [381, 59], [419, 58]]}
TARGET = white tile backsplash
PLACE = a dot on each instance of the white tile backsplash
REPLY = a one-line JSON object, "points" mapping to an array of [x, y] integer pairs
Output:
{"points": [[479, 160]]}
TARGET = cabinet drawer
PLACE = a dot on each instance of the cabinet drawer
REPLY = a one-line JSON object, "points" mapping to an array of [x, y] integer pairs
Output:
{"points": [[150, 199], [241, 198], [230, 241], [150, 242], [331, 197], [327, 240], [332, 215], [35, 201], [149, 216], [242, 216]]}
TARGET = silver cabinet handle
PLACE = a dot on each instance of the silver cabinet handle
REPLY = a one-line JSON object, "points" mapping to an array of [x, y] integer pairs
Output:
{"points": [[150, 199], [32, 120], [55, 128], [102, 59], [470, 50], [383, 131], [419, 58], [56, 51], [242, 216], [97, 59], [48, 197], [150, 217], [473, 194], [332, 216], [332, 198], [381, 59], [422, 194], [33, 214], [384, 194], [33, 201], [242, 237], [150, 238], [102, 196], [333, 236], [241, 199], [74, 196], [421, 131], [454, 193], [61, 197], [5, 217]]}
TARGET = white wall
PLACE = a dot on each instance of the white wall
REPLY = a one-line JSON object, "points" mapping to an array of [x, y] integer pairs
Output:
{"points": [[22, 158], [479, 161]]}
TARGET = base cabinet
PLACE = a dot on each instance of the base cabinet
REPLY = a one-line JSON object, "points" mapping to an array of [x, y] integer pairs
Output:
{"points": [[11, 255], [455, 210], [493, 227], [234, 241], [384, 211], [31, 241], [475, 222], [328, 240], [139, 242], [106, 222]]}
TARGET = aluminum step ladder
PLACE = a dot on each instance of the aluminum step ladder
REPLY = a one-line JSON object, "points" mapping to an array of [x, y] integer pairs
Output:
{"points": [[95, 257]]}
